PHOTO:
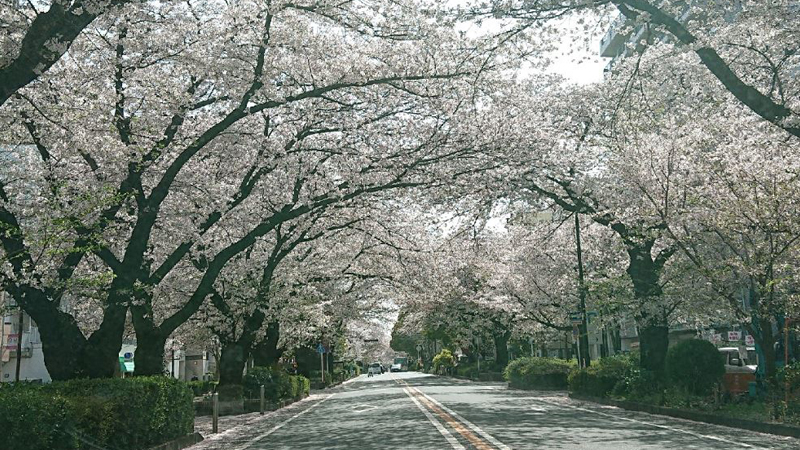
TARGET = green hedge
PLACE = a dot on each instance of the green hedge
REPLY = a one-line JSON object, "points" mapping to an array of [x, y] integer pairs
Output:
{"points": [[31, 419], [604, 376], [135, 413], [278, 385], [538, 373]]}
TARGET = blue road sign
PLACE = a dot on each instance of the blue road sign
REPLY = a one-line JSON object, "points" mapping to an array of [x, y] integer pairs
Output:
{"points": [[320, 348]]}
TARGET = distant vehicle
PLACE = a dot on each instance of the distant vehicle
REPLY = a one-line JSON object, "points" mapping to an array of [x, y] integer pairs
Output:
{"points": [[374, 369], [396, 368], [739, 372], [403, 362]]}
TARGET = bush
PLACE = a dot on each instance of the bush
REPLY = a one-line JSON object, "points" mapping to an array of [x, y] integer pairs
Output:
{"points": [[230, 392], [538, 373], [695, 365], [604, 376], [135, 413], [444, 360], [278, 384], [35, 420], [201, 388]]}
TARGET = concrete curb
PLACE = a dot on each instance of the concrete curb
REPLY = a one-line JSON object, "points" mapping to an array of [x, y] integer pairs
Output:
{"points": [[180, 443], [697, 416]]}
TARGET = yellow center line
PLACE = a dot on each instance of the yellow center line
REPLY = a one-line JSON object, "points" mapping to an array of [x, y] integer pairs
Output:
{"points": [[477, 442]]}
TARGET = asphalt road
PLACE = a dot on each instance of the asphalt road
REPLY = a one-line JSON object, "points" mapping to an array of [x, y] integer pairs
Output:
{"points": [[417, 411]]}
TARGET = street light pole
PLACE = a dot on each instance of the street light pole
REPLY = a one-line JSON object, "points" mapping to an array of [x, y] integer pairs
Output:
{"points": [[583, 329]]}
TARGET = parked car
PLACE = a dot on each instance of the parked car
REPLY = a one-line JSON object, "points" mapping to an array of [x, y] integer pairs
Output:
{"points": [[374, 369], [396, 368], [739, 371]]}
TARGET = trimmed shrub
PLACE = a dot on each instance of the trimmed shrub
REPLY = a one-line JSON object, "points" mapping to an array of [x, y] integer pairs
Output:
{"points": [[538, 373], [32, 419], [135, 413], [278, 385], [604, 376], [695, 365]]}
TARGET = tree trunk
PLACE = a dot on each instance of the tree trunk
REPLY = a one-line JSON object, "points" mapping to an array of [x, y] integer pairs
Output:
{"points": [[653, 326], [62, 345], [150, 342], [101, 354], [149, 354], [767, 344], [267, 352], [231, 362], [68, 354], [501, 349], [653, 344]]}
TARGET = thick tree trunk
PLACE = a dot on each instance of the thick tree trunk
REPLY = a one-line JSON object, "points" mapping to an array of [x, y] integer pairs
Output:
{"points": [[235, 352], [101, 353], [67, 352], [149, 354], [653, 344], [653, 326], [150, 342], [62, 345], [267, 352], [767, 344], [231, 362], [501, 348]]}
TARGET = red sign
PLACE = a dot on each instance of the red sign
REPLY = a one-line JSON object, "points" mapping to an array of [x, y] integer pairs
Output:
{"points": [[11, 341]]}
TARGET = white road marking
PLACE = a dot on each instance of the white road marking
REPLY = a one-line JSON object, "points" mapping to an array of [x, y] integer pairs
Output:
{"points": [[466, 422], [281, 425], [360, 408], [442, 430], [666, 427]]}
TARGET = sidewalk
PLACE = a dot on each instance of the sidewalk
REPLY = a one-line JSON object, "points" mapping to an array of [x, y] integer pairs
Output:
{"points": [[236, 431]]}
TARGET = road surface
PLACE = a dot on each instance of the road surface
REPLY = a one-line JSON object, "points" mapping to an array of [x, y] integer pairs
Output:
{"points": [[415, 411]]}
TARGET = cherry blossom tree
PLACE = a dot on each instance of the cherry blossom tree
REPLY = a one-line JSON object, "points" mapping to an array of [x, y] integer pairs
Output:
{"points": [[37, 34], [750, 47], [138, 158]]}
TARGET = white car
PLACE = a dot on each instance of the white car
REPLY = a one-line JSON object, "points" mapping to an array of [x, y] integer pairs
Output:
{"points": [[396, 368], [374, 369]]}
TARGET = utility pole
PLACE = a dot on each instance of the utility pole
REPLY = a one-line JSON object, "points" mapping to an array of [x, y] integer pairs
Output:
{"points": [[19, 345], [583, 336]]}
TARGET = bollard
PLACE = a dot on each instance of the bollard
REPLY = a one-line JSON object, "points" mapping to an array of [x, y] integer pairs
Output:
{"points": [[262, 400], [215, 413]]}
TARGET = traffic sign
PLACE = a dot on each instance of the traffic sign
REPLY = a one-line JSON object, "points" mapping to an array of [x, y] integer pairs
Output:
{"points": [[320, 349], [749, 340], [734, 336], [575, 318]]}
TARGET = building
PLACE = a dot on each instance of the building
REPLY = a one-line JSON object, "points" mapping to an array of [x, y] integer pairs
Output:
{"points": [[31, 363]]}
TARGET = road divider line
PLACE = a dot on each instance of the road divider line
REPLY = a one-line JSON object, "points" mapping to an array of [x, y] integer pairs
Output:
{"points": [[666, 427], [442, 430], [466, 422], [454, 424], [282, 424]]}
